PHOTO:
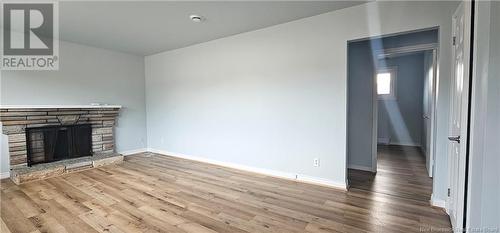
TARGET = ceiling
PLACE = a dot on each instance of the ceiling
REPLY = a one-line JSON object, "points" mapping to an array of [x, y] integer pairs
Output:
{"points": [[145, 28]]}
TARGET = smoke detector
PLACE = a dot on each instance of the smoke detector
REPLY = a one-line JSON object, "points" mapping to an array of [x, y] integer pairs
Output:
{"points": [[196, 18]]}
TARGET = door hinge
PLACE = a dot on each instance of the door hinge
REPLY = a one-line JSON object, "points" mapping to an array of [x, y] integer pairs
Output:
{"points": [[454, 139], [449, 192], [454, 40]]}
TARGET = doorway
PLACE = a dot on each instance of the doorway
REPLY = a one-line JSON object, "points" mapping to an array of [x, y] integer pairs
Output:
{"points": [[391, 111]]}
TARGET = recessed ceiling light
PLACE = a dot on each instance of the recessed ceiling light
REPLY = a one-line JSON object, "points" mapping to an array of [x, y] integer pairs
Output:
{"points": [[196, 18]]}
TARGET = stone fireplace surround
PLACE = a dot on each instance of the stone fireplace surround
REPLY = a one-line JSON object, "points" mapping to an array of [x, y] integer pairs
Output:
{"points": [[15, 119]]}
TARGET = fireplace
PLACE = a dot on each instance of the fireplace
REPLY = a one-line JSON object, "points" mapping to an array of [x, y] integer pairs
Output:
{"points": [[53, 143], [60, 139]]}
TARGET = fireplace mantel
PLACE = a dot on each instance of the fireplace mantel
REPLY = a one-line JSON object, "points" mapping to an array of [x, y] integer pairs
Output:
{"points": [[56, 106]]}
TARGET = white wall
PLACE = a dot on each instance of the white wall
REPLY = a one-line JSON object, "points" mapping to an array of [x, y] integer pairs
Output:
{"points": [[4, 158], [360, 90], [86, 75], [404, 114], [276, 98], [491, 171], [484, 182], [491, 161]]}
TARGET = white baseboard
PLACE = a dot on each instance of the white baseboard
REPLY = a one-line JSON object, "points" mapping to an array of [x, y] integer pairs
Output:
{"points": [[405, 144], [362, 168], [268, 172], [383, 141], [131, 152], [438, 202], [4, 175]]}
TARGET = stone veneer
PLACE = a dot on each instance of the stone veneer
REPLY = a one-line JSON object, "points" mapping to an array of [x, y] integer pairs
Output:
{"points": [[16, 120]]}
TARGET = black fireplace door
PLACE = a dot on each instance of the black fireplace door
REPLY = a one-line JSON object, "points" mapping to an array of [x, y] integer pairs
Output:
{"points": [[82, 140], [53, 143]]}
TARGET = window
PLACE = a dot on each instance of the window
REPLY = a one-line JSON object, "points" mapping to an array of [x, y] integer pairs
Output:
{"points": [[386, 83]]}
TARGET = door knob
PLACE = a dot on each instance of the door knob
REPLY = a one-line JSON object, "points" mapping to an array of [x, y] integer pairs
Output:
{"points": [[454, 139]]}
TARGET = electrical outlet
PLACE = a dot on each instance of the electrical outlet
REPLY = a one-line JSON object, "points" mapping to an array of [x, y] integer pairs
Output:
{"points": [[162, 140], [316, 162]]}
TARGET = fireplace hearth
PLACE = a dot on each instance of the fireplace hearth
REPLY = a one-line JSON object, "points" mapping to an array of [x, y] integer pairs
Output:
{"points": [[54, 143]]}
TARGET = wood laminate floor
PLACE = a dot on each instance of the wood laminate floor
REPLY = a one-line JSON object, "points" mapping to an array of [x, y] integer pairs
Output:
{"points": [[401, 172], [155, 193]]}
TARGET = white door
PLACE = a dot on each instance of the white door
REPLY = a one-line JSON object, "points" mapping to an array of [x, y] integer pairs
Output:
{"points": [[458, 114]]}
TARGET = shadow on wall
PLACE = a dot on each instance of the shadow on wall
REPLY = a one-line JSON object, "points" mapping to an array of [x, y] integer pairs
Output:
{"points": [[392, 127], [404, 112]]}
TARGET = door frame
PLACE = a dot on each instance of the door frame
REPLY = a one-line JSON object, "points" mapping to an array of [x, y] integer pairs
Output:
{"points": [[436, 64], [401, 51]]}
